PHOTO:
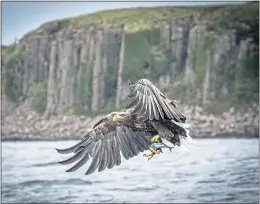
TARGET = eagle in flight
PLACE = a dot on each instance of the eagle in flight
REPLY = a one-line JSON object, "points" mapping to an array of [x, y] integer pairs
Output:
{"points": [[150, 116]]}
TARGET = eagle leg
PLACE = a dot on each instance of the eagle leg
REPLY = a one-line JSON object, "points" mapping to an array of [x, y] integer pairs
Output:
{"points": [[151, 153]]}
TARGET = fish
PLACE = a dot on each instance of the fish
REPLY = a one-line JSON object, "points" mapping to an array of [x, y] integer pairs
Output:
{"points": [[156, 148], [160, 145]]}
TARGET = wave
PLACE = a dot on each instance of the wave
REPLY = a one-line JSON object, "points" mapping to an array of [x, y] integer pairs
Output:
{"points": [[52, 182], [45, 164]]}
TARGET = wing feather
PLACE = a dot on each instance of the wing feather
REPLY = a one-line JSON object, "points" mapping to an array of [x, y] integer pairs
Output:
{"points": [[104, 157], [106, 143], [111, 149], [72, 159], [71, 149], [117, 152], [81, 162], [122, 147], [149, 102], [132, 142], [99, 149]]}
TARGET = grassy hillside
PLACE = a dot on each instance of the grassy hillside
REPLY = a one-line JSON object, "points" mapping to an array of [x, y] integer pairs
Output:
{"points": [[136, 19], [7, 50]]}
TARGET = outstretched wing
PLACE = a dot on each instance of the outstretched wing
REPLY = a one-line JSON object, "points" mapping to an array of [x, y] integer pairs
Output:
{"points": [[150, 103], [102, 120], [104, 144]]}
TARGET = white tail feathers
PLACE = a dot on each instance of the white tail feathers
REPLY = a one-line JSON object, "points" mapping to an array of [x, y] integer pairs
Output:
{"points": [[183, 125], [188, 138], [166, 142]]}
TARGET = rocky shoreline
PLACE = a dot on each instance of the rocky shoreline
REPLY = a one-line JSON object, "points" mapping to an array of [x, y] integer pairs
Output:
{"points": [[25, 125]]}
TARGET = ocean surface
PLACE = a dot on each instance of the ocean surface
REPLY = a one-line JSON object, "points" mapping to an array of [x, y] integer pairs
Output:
{"points": [[214, 170]]}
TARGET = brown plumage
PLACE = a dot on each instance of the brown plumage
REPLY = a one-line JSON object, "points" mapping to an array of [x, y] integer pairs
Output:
{"points": [[129, 131], [151, 103]]}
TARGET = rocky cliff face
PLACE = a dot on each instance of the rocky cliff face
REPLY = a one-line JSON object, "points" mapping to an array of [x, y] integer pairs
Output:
{"points": [[206, 56], [75, 66]]}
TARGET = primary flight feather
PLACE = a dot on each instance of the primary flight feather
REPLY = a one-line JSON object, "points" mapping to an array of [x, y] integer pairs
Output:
{"points": [[129, 131]]}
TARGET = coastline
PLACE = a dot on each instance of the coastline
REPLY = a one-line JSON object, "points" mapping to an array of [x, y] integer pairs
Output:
{"points": [[25, 125], [40, 139]]}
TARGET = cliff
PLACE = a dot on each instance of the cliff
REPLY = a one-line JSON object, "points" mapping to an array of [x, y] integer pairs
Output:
{"points": [[201, 56]]}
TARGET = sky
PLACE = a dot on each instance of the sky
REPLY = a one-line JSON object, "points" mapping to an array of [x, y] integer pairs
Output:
{"points": [[19, 18]]}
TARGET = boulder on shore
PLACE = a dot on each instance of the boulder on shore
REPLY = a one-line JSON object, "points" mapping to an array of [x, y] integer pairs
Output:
{"points": [[28, 125]]}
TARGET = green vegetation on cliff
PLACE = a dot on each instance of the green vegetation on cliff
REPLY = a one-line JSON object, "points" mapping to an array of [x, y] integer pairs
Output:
{"points": [[147, 54], [86, 86], [38, 96], [134, 19], [247, 79], [7, 50], [9, 78]]}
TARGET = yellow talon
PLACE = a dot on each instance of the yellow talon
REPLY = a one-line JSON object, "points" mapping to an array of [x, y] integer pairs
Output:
{"points": [[151, 152], [155, 138]]}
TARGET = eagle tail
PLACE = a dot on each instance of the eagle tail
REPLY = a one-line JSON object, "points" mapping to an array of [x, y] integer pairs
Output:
{"points": [[185, 127]]}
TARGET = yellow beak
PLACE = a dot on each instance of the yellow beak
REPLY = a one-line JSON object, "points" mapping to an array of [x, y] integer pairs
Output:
{"points": [[116, 117]]}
